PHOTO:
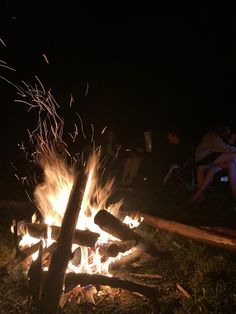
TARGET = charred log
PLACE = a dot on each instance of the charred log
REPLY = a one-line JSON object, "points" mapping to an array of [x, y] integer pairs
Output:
{"points": [[76, 259], [72, 280], [54, 282], [22, 255], [116, 247], [80, 237], [120, 230], [126, 260], [34, 274]]}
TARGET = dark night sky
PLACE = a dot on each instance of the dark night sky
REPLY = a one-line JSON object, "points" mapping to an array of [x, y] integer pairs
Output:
{"points": [[143, 71]]}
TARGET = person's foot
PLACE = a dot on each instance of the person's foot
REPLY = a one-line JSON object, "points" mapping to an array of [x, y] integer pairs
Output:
{"points": [[197, 198]]}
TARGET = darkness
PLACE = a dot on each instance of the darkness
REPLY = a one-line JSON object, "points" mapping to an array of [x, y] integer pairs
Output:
{"points": [[143, 71]]}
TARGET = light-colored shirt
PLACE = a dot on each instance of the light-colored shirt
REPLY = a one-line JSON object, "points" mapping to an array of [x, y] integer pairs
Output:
{"points": [[212, 143]]}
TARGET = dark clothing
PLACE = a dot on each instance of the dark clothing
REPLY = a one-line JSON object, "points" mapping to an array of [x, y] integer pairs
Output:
{"points": [[208, 159]]}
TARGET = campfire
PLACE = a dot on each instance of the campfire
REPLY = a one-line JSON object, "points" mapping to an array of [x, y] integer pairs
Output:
{"points": [[78, 242]]}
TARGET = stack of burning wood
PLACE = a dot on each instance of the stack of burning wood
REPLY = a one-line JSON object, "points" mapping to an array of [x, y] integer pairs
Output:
{"points": [[46, 287]]}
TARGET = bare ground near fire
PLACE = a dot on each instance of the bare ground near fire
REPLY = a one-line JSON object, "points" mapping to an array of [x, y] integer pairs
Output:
{"points": [[193, 277]]}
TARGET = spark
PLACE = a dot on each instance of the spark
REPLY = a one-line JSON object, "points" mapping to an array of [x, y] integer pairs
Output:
{"points": [[67, 153], [29, 197], [81, 124], [17, 177], [104, 129], [92, 136], [13, 166], [2, 42], [3, 78], [45, 58], [71, 100], [87, 88], [117, 152], [7, 67]]}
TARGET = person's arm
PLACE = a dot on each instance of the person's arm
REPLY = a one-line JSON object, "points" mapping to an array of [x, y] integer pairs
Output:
{"points": [[232, 139], [218, 145]]}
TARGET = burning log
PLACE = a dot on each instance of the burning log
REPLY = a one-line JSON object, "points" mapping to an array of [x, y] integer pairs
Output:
{"points": [[114, 226], [76, 256], [80, 237], [72, 280], [197, 234], [47, 254], [126, 260], [34, 274], [22, 256], [54, 282], [116, 247], [120, 230]]}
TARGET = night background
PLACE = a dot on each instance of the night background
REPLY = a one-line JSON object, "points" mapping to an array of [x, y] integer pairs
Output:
{"points": [[143, 71]]}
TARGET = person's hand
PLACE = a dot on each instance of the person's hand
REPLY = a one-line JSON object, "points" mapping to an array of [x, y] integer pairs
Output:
{"points": [[232, 139]]}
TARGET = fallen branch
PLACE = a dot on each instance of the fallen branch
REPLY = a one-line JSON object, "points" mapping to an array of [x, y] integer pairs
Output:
{"points": [[188, 231], [72, 280], [183, 291]]}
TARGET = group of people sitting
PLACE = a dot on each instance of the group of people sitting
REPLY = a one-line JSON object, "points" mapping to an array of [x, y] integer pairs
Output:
{"points": [[215, 152]]}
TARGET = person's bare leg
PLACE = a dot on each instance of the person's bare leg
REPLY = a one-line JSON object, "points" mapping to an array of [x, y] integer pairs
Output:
{"points": [[225, 157], [228, 161], [200, 175], [211, 172]]}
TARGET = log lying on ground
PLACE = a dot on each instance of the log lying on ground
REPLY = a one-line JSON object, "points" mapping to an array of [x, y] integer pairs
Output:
{"points": [[53, 285], [116, 247], [72, 280], [120, 230], [80, 237], [222, 230], [198, 234]]}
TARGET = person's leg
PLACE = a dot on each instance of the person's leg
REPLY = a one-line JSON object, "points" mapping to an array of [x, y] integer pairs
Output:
{"points": [[230, 166], [211, 172], [232, 178], [200, 175], [225, 157]]}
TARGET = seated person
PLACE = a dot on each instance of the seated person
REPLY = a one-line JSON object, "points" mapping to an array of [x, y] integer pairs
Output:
{"points": [[176, 152], [132, 163], [214, 154]]}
